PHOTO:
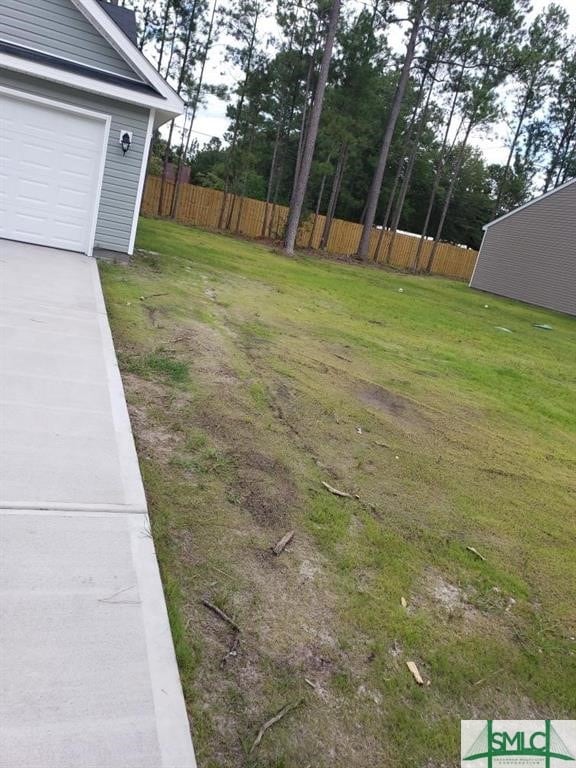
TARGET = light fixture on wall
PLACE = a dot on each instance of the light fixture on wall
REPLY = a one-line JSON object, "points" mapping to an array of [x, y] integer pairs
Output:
{"points": [[125, 140]]}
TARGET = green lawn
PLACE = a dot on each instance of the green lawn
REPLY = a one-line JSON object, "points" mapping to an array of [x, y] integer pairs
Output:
{"points": [[251, 379]]}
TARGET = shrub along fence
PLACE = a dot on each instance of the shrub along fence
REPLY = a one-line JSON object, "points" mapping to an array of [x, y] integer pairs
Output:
{"points": [[253, 218]]}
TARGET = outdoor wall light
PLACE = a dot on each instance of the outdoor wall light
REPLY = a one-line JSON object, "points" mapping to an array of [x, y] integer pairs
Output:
{"points": [[125, 141]]}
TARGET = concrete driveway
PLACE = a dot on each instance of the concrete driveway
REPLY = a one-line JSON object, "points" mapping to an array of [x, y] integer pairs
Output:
{"points": [[88, 676]]}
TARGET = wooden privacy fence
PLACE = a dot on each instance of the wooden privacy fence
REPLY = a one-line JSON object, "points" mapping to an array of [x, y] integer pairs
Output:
{"points": [[245, 216]]}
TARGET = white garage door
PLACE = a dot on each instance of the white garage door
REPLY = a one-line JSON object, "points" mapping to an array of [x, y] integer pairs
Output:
{"points": [[50, 162]]}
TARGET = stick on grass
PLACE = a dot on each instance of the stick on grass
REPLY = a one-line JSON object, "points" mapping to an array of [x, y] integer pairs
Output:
{"points": [[273, 720], [283, 543], [415, 672], [336, 492], [220, 613], [475, 552]]}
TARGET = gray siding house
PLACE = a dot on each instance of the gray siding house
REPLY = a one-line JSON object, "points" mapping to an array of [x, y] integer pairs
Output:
{"points": [[530, 254], [78, 106]]}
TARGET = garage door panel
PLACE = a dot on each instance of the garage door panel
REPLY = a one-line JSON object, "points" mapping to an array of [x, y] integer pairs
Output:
{"points": [[33, 158], [24, 227], [50, 163], [67, 231], [74, 168], [73, 200], [34, 190]]}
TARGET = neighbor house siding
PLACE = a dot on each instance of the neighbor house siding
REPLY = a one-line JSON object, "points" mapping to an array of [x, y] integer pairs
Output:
{"points": [[121, 172], [531, 255], [57, 27]]}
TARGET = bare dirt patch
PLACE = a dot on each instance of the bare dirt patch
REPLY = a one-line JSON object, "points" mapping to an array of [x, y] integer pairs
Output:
{"points": [[403, 410], [209, 352], [265, 486], [453, 604], [154, 438]]}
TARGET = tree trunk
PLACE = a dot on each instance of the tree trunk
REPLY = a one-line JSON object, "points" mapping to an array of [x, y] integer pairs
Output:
{"points": [[171, 56], [165, 170], [164, 30], [388, 211], [401, 170], [442, 154], [376, 186], [567, 152], [184, 149], [278, 138], [181, 76], [570, 159], [274, 206], [317, 211], [233, 199], [449, 195], [334, 195], [239, 216], [414, 147], [297, 202], [504, 182], [244, 182], [145, 25], [284, 146], [238, 118], [271, 177], [303, 125]]}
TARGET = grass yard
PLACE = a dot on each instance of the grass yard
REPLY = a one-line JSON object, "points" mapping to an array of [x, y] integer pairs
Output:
{"points": [[252, 378]]}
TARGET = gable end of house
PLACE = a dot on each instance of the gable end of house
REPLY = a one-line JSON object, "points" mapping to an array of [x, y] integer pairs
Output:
{"points": [[57, 28]]}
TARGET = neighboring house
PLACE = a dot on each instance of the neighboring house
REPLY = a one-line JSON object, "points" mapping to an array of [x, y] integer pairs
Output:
{"points": [[530, 254], [78, 105]]}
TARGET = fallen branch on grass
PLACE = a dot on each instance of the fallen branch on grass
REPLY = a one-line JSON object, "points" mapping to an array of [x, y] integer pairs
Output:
{"points": [[380, 444], [283, 543], [220, 613], [415, 672], [336, 492], [475, 552], [152, 296], [273, 720]]}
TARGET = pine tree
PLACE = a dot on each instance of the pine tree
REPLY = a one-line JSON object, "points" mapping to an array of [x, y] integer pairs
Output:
{"points": [[546, 37], [417, 16], [303, 173]]}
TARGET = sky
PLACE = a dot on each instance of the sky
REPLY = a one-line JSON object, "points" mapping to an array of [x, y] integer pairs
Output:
{"points": [[212, 121]]}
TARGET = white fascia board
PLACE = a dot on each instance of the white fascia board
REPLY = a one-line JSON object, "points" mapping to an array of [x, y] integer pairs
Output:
{"points": [[108, 28], [46, 72], [142, 180], [527, 205]]}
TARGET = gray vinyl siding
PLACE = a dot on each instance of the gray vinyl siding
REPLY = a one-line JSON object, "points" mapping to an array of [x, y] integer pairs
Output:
{"points": [[531, 255], [121, 172], [57, 27]]}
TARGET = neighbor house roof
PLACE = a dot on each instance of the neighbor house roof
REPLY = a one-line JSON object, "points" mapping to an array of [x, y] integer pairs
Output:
{"points": [[527, 205]]}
